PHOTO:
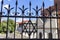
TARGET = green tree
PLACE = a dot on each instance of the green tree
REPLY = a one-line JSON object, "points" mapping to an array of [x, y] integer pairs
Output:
{"points": [[11, 24]]}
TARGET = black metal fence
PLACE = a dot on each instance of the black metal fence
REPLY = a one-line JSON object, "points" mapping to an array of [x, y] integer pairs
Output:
{"points": [[35, 28]]}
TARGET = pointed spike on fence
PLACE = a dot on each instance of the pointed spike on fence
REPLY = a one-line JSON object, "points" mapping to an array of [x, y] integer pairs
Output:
{"points": [[36, 7], [43, 4], [2, 1], [9, 5], [30, 3], [16, 2], [23, 6]]}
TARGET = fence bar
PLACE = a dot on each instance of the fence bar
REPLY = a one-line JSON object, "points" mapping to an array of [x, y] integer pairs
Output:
{"points": [[8, 12], [57, 20], [50, 14], [37, 21], [15, 16], [22, 22], [43, 22], [36, 10], [40, 35], [29, 18], [50, 35], [50, 22], [23, 11], [1, 11]]}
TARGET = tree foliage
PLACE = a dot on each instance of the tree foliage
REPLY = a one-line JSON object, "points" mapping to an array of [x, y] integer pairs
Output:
{"points": [[10, 25]]}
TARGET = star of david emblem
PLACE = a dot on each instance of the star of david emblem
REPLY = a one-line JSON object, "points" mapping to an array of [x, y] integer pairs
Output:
{"points": [[29, 28]]}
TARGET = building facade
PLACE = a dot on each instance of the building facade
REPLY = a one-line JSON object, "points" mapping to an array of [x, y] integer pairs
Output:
{"points": [[55, 22]]}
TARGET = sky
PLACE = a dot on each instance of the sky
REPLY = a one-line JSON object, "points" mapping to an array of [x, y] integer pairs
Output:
{"points": [[26, 4]]}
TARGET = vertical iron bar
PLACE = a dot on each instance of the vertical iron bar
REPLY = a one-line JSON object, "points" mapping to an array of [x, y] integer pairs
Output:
{"points": [[36, 10], [1, 11], [43, 22], [15, 17], [50, 22], [8, 10], [40, 35], [29, 18], [50, 34], [1, 5], [50, 11], [22, 20], [23, 10], [37, 21], [57, 21]]}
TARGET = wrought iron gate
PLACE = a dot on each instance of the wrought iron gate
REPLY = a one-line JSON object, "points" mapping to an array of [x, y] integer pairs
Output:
{"points": [[34, 29]]}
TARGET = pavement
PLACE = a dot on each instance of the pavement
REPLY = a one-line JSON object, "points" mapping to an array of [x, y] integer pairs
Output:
{"points": [[17, 35]]}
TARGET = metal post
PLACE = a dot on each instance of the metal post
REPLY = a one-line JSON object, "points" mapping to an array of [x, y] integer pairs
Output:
{"points": [[1, 12], [40, 35], [50, 23], [50, 36], [57, 20], [36, 10], [23, 10], [22, 20], [37, 21], [29, 16], [8, 12], [15, 16], [7, 21], [43, 22], [50, 11]]}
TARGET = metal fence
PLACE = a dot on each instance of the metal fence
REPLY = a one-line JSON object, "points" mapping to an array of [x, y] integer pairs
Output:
{"points": [[35, 28]]}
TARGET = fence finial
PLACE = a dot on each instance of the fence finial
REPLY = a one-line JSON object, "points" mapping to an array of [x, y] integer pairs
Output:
{"points": [[30, 3], [36, 7], [9, 5], [2, 1], [23, 6], [16, 2]]}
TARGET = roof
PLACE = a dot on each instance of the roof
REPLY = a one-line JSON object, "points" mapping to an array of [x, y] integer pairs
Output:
{"points": [[24, 21]]}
